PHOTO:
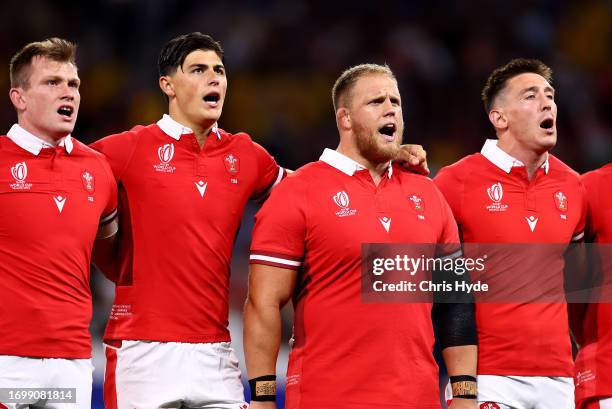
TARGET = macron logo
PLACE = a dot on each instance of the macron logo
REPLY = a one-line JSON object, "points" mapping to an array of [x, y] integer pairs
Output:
{"points": [[386, 222], [201, 187], [532, 221], [60, 201]]}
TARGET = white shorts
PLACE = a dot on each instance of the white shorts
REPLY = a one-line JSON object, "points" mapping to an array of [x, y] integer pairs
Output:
{"points": [[150, 375], [525, 392], [17, 372]]}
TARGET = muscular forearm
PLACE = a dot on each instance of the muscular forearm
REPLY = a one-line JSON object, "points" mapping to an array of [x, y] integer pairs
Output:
{"points": [[262, 333], [461, 360]]}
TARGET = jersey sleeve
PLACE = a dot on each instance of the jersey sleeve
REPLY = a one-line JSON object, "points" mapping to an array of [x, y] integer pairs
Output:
{"points": [[448, 239], [451, 186], [269, 173], [118, 150], [280, 228], [109, 214]]}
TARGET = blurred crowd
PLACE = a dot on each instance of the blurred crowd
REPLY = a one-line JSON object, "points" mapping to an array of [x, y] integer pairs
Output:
{"points": [[282, 58]]}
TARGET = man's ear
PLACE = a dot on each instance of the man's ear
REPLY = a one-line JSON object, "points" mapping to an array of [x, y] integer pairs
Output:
{"points": [[498, 118], [166, 85], [17, 98], [343, 118]]}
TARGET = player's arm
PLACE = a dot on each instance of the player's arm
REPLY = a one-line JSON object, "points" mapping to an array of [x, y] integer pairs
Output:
{"points": [[105, 249], [581, 272], [105, 246], [453, 315], [269, 290], [457, 334], [579, 279]]}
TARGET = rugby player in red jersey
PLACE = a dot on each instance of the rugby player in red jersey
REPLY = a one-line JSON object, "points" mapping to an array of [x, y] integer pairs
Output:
{"points": [[307, 246], [57, 196], [515, 191]]}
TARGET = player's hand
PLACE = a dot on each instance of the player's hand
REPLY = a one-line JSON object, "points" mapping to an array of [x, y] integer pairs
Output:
{"points": [[262, 405], [458, 403], [413, 158]]}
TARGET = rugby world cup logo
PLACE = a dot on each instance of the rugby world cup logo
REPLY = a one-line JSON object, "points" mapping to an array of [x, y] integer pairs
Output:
{"points": [[341, 199], [166, 152], [19, 172], [496, 192]]}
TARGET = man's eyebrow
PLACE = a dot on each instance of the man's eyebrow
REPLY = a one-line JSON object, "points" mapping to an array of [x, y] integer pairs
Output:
{"points": [[203, 65], [535, 88]]}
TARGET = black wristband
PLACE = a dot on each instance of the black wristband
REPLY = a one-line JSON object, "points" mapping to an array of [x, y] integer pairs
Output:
{"points": [[263, 388], [461, 378]]}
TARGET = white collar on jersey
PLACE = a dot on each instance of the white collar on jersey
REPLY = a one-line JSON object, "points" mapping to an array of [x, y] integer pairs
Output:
{"points": [[345, 164], [33, 144], [503, 160], [174, 129]]}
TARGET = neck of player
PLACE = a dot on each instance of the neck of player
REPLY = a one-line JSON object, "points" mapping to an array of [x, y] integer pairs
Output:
{"points": [[50, 138], [532, 159], [377, 170], [200, 131]]}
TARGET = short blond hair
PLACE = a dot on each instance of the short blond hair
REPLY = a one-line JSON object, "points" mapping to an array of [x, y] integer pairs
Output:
{"points": [[345, 82]]}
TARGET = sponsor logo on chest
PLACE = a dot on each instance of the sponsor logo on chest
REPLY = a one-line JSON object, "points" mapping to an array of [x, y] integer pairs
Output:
{"points": [[532, 221], [20, 173], [341, 199], [201, 186], [165, 153], [60, 201], [386, 223]]}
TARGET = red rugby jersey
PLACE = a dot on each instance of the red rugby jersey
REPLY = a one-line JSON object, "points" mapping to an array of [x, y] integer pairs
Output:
{"points": [[347, 353], [52, 201], [494, 202], [180, 209], [593, 374]]}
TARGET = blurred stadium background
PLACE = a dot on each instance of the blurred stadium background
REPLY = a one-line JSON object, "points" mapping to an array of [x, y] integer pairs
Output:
{"points": [[282, 58]]}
